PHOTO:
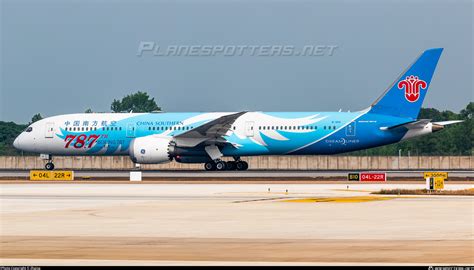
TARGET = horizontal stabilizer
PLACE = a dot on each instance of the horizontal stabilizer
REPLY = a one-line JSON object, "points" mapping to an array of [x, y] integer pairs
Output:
{"points": [[436, 126], [445, 123], [410, 125]]}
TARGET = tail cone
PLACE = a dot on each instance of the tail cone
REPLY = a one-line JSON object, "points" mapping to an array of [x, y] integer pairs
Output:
{"points": [[436, 128]]}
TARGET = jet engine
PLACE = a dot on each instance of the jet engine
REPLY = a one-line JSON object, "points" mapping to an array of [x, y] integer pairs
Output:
{"points": [[151, 150]]}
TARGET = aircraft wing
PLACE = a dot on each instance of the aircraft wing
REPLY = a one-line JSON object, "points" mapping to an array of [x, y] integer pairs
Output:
{"points": [[211, 131]]}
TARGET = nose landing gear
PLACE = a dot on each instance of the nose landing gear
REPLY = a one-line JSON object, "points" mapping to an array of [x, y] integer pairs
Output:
{"points": [[49, 165]]}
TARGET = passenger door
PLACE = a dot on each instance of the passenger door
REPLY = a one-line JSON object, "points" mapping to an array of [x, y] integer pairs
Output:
{"points": [[249, 128], [130, 130], [351, 129], [49, 131]]}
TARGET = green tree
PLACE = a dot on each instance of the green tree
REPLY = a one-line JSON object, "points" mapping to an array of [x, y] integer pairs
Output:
{"points": [[8, 132], [468, 127], [137, 102], [36, 118], [468, 112]]}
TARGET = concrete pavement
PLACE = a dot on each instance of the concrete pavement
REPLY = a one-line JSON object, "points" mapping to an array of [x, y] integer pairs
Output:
{"points": [[232, 224]]}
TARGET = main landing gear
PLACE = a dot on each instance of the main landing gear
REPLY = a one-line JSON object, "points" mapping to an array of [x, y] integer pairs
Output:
{"points": [[217, 164], [221, 165]]}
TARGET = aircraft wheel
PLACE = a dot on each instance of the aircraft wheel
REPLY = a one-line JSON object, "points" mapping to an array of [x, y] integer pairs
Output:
{"points": [[242, 165], [221, 166], [231, 165], [210, 166], [49, 166]]}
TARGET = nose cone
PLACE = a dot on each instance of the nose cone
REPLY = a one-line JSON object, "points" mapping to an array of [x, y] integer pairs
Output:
{"points": [[16, 143]]}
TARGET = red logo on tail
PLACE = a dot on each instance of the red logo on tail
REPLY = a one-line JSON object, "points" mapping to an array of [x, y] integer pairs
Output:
{"points": [[412, 87]]}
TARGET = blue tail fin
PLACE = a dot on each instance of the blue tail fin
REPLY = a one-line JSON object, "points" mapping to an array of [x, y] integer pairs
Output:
{"points": [[405, 96]]}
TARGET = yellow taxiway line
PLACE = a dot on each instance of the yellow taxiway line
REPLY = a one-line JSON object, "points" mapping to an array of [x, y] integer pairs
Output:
{"points": [[356, 199]]}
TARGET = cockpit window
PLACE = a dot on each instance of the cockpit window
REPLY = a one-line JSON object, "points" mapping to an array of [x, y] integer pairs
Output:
{"points": [[29, 129]]}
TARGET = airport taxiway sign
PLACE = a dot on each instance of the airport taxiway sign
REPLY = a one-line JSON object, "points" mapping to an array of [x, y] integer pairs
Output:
{"points": [[41, 175]]}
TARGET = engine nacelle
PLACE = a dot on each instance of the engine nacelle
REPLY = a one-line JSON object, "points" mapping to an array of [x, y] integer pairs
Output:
{"points": [[150, 150]]}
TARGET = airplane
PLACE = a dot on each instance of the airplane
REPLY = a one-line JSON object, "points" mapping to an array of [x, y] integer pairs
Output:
{"points": [[193, 137]]}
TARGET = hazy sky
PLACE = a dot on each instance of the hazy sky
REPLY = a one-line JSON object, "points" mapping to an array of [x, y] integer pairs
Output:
{"points": [[66, 56]]}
